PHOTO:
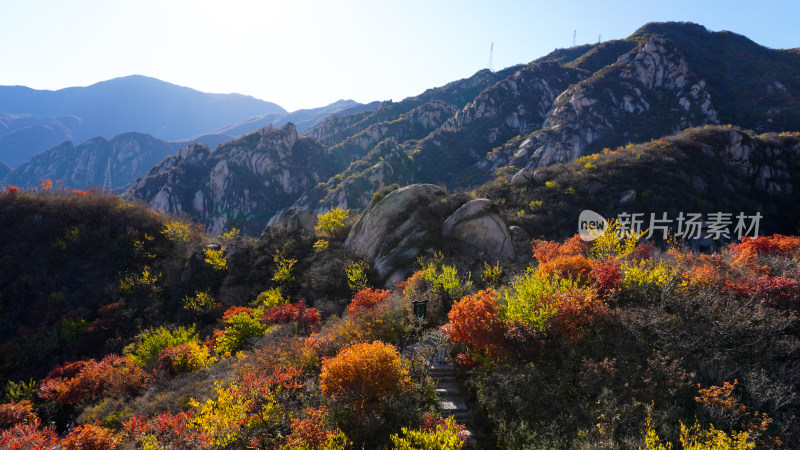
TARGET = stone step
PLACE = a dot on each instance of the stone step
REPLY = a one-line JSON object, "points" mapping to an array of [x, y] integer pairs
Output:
{"points": [[453, 404]]}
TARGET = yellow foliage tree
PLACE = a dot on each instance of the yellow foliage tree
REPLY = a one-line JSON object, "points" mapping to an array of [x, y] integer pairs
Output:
{"points": [[331, 221]]}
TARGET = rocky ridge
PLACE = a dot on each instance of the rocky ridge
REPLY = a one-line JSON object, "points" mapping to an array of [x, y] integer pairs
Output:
{"points": [[241, 184], [122, 158]]}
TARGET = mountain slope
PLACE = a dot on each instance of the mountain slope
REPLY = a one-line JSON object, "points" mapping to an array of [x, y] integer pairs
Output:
{"points": [[700, 170], [133, 103], [124, 157], [565, 105]]}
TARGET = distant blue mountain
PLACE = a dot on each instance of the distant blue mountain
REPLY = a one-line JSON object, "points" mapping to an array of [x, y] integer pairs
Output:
{"points": [[32, 120]]}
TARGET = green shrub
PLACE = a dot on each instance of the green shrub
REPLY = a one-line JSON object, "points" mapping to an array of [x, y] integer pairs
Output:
{"points": [[144, 352]]}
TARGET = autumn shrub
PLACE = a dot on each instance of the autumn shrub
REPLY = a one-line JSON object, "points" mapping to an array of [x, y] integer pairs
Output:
{"points": [[312, 433], [113, 376], [646, 278], [187, 357], [435, 433], [573, 267], [701, 276], [777, 292], [269, 298], [249, 411], [90, 437], [306, 319], [215, 259], [166, 430], [388, 321], [749, 250], [200, 303], [29, 436], [530, 299], [145, 351], [606, 277], [20, 390], [331, 222], [241, 325], [367, 299], [362, 374], [14, 413], [475, 321]]}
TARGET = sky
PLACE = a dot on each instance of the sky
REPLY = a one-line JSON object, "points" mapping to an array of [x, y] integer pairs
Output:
{"points": [[304, 54]]}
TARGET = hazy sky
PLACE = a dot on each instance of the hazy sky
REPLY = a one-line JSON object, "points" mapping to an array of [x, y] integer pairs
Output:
{"points": [[302, 54]]}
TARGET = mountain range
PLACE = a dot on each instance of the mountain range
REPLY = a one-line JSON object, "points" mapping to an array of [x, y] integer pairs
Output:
{"points": [[32, 121], [664, 78]]}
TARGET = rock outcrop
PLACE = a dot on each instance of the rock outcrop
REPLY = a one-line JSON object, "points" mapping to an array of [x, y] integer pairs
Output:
{"points": [[422, 218], [480, 231]]}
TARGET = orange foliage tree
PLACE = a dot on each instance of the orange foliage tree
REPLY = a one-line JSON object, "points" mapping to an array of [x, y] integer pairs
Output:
{"points": [[474, 320], [366, 299], [363, 374], [567, 260]]}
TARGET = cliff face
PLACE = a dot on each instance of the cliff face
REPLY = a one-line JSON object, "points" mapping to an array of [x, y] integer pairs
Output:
{"points": [[648, 92], [241, 184], [122, 158]]}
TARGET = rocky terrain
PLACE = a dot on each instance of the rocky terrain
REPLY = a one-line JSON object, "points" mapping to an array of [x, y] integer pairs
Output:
{"points": [[122, 159], [240, 184]]}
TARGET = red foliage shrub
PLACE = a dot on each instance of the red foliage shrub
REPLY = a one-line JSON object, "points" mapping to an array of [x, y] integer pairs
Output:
{"points": [[113, 376], [575, 267], [310, 431], [14, 413], [703, 276], [90, 437], [577, 310], [29, 436], [474, 321], [643, 251], [12, 190], [212, 341], [307, 319], [606, 277], [235, 311], [170, 431], [366, 299], [81, 193], [747, 252], [545, 251], [776, 292]]}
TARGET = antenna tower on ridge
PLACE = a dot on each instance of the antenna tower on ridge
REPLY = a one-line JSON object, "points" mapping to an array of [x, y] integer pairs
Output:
{"points": [[107, 180], [491, 56], [599, 38], [574, 35]]}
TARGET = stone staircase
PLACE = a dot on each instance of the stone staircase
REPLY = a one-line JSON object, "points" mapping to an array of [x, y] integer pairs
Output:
{"points": [[450, 395]]}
